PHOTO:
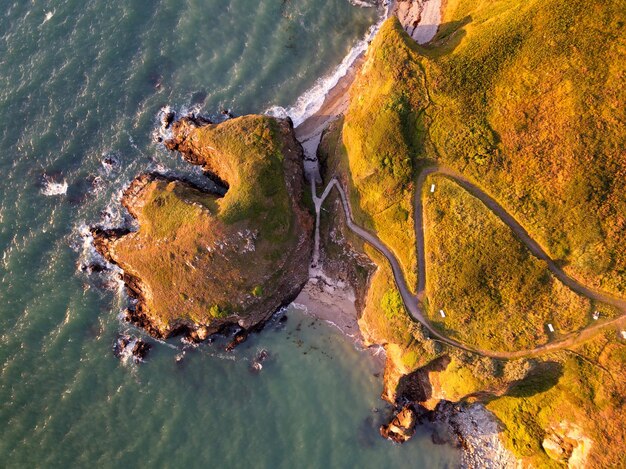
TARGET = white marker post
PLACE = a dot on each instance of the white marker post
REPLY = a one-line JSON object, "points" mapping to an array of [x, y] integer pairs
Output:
{"points": [[443, 315], [432, 188], [550, 328], [624, 335]]}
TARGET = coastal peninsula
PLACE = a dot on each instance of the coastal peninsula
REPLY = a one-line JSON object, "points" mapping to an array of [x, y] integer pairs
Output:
{"points": [[463, 207], [498, 288], [202, 261]]}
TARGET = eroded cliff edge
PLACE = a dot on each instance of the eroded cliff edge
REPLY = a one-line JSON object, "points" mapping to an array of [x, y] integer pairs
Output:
{"points": [[201, 261]]}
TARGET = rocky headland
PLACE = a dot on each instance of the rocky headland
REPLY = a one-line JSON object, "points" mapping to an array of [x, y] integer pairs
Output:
{"points": [[410, 107], [201, 262]]}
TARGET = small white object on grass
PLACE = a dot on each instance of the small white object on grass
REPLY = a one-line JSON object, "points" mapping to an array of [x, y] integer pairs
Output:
{"points": [[623, 335], [550, 328], [596, 315], [432, 188], [443, 315]]}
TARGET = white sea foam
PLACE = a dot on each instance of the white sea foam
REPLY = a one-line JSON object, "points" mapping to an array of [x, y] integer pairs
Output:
{"points": [[311, 101], [362, 3], [52, 187], [48, 16]]}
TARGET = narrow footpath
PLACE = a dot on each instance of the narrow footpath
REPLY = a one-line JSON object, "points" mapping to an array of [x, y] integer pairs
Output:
{"points": [[413, 303]]}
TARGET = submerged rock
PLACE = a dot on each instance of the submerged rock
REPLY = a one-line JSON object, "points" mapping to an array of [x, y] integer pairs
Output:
{"points": [[128, 348], [240, 338], [256, 364]]}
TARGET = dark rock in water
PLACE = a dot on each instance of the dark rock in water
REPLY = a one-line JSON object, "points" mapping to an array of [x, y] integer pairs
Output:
{"points": [[402, 426], [256, 364], [439, 438], [155, 79], [227, 113], [131, 348], [199, 120], [97, 183], [140, 350], [93, 268], [240, 337], [111, 162], [283, 318], [262, 355], [167, 119]]}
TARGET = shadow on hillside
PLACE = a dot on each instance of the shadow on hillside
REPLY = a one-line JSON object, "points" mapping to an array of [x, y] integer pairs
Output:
{"points": [[545, 376], [416, 387], [448, 37]]}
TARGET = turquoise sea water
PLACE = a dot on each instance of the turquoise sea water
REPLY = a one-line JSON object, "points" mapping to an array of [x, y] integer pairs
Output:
{"points": [[84, 80]]}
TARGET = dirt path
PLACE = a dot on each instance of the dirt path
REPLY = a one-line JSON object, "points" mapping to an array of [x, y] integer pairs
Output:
{"points": [[413, 303], [421, 20]]}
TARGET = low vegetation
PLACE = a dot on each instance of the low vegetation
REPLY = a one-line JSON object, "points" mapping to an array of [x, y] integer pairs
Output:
{"points": [[380, 139], [526, 99], [494, 293], [203, 258]]}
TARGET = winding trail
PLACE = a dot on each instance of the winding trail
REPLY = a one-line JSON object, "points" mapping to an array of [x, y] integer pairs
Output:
{"points": [[413, 303]]}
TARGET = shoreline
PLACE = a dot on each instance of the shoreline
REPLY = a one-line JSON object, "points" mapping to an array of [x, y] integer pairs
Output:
{"points": [[324, 297]]}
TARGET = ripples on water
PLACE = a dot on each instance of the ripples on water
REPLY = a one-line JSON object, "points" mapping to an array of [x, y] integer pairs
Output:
{"points": [[82, 82]]}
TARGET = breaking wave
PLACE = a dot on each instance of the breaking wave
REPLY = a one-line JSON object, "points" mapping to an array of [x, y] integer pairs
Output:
{"points": [[52, 187], [311, 101]]}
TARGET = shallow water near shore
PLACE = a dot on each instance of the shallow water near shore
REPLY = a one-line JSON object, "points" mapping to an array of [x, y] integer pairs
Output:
{"points": [[81, 86]]}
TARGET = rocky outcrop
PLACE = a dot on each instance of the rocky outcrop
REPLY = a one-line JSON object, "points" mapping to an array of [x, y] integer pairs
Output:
{"points": [[566, 444], [470, 427], [202, 262], [128, 348], [474, 429], [402, 426]]}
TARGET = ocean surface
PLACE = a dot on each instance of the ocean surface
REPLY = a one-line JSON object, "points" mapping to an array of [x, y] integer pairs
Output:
{"points": [[81, 85]]}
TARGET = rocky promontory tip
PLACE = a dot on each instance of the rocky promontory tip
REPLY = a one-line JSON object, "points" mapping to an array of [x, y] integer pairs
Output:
{"points": [[200, 261]]}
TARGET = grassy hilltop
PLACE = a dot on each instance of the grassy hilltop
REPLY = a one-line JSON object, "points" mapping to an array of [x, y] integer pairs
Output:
{"points": [[526, 100], [203, 260]]}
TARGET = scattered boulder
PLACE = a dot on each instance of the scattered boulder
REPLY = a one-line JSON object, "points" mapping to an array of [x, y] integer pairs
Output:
{"points": [[557, 448], [200, 334], [402, 426], [111, 162], [93, 267], [256, 364], [567, 444], [240, 338], [128, 348]]}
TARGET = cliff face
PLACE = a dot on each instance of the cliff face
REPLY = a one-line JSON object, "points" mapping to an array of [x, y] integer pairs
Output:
{"points": [[200, 261]]}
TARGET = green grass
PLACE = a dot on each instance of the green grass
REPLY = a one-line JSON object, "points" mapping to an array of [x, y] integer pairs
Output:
{"points": [[252, 163], [526, 99], [496, 294], [527, 102], [204, 258], [584, 390], [380, 139]]}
